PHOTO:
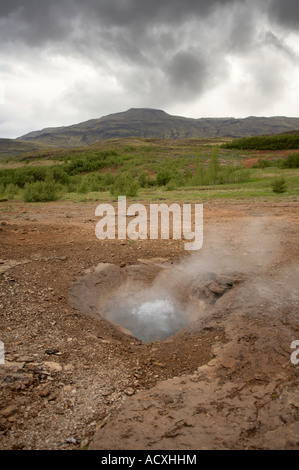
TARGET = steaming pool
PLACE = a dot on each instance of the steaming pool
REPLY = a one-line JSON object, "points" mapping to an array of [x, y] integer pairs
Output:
{"points": [[150, 320], [151, 302]]}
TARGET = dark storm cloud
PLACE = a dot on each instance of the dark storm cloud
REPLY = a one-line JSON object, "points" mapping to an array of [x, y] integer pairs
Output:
{"points": [[286, 12], [127, 27], [115, 12], [35, 21], [187, 72]]}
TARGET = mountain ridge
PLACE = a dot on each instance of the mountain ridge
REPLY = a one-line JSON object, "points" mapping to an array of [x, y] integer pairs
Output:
{"points": [[156, 123]]}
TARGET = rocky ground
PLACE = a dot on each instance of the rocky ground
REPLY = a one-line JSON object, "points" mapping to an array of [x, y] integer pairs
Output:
{"points": [[73, 381]]}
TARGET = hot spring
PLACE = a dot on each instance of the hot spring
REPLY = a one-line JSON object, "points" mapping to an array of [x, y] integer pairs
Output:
{"points": [[149, 302], [150, 320]]}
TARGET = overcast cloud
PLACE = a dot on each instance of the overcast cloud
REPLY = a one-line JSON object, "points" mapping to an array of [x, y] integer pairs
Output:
{"points": [[66, 62]]}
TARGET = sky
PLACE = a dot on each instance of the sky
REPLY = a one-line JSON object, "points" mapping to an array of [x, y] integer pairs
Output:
{"points": [[64, 62]]}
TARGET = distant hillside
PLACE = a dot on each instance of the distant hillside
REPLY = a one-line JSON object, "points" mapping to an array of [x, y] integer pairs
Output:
{"points": [[156, 124], [12, 147], [295, 132]]}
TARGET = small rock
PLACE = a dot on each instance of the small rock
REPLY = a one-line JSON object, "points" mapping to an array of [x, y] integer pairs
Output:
{"points": [[9, 411], [12, 419], [52, 396], [53, 351], [71, 440], [53, 366], [158, 364], [11, 367], [105, 341], [216, 288], [44, 393], [3, 424], [25, 359]]}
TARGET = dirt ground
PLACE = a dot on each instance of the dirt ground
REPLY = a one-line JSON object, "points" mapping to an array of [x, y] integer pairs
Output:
{"points": [[74, 381]]}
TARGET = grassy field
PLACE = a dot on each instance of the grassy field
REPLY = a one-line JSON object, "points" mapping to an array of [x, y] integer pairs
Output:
{"points": [[153, 170], [259, 186]]}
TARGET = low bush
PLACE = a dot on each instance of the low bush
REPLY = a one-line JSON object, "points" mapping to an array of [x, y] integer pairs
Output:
{"points": [[171, 185], [11, 191], [124, 185], [40, 192], [164, 176], [291, 161], [279, 185]]}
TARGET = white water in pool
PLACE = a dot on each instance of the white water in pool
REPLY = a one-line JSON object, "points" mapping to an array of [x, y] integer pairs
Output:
{"points": [[149, 321]]}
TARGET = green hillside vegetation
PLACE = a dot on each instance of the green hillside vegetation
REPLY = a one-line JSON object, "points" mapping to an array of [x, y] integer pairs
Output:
{"points": [[149, 170], [267, 142]]}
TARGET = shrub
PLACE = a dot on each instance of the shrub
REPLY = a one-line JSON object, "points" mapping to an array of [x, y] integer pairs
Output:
{"points": [[263, 163], [292, 161], [90, 161], [279, 185], [59, 175], [90, 182], [108, 179], [151, 182], [83, 187], [171, 185], [11, 191], [40, 192], [124, 185], [198, 179], [131, 189], [163, 176], [143, 180]]}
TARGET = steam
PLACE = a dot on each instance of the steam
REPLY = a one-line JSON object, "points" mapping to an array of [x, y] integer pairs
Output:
{"points": [[160, 310], [153, 303], [248, 250]]}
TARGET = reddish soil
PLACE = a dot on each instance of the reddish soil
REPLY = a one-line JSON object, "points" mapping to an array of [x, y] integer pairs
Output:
{"points": [[249, 162]]}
